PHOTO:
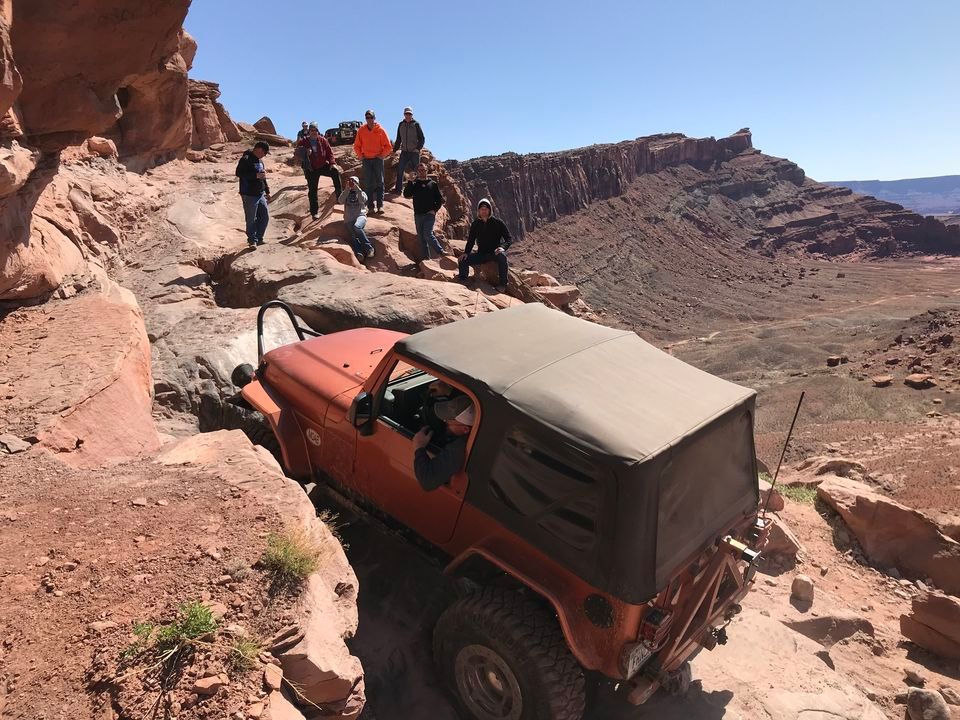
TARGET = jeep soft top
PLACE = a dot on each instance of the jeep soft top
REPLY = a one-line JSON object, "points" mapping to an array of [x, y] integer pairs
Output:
{"points": [[663, 452]]}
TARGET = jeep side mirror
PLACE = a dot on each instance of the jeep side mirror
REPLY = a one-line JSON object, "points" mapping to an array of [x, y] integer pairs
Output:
{"points": [[361, 410]]}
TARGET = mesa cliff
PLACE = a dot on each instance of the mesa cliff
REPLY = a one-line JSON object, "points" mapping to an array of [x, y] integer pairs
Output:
{"points": [[787, 211]]}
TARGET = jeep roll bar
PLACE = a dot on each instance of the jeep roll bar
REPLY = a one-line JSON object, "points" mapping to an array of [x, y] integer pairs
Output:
{"points": [[302, 332]]}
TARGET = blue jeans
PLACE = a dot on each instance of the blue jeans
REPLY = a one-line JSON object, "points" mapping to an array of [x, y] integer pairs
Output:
{"points": [[257, 216], [468, 261], [358, 238], [428, 241], [373, 181], [408, 159]]}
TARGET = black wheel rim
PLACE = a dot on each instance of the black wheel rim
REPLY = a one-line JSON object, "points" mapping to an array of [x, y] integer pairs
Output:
{"points": [[487, 685]]}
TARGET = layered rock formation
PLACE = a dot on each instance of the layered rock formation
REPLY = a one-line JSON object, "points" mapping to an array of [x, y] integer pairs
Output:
{"points": [[531, 190], [779, 208]]}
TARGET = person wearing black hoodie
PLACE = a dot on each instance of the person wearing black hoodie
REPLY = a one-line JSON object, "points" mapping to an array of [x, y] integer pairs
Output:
{"points": [[492, 239], [427, 199], [254, 192]]}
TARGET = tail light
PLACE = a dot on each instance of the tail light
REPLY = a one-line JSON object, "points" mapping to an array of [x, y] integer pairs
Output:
{"points": [[655, 626]]}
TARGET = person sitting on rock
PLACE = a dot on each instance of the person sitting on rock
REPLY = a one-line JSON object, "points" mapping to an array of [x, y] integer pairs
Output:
{"points": [[492, 240], [354, 201], [372, 145], [409, 142], [427, 199], [434, 471], [318, 160], [254, 192]]}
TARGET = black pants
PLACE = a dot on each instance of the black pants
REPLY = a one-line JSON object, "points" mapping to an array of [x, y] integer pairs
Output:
{"points": [[313, 178]]}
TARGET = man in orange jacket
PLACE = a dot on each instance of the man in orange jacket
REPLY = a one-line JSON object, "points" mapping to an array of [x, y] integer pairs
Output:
{"points": [[372, 145]]}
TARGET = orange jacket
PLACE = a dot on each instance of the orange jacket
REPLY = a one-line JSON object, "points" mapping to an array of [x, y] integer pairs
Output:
{"points": [[372, 143]]}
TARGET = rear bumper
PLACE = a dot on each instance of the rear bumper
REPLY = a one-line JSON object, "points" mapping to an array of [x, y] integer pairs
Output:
{"points": [[701, 609]]}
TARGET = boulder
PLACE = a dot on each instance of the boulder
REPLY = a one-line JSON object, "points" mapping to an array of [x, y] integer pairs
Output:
{"points": [[830, 629], [934, 624], [265, 125], [443, 268], [16, 164], [339, 302], [71, 76], [770, 498], [782, 545], [802, 589], [919, 381], [894, 535], [279, 708], [882, 380], [560, 295], [102, 146], [91, 407], [537, 279], [926, 705]]}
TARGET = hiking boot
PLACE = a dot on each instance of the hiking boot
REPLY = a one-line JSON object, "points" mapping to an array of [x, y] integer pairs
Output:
{"points": [[259, 241], [379, 209], [314, 216], [370, 253], [359, 257], [501, 288]]}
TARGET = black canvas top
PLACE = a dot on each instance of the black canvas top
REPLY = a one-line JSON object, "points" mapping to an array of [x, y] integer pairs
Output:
{"points": [[607, 388]]}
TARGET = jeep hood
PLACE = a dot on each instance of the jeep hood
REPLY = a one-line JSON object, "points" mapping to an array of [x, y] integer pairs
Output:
{"points": [[327, 366]]}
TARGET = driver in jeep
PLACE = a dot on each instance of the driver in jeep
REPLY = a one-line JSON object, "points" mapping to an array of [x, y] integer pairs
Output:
{"points": [[432, 472]]}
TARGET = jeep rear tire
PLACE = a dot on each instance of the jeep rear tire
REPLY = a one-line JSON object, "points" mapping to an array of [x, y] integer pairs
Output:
{"points": [[503, 657]]}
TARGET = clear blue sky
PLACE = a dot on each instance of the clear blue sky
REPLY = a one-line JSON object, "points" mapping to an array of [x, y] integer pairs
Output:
{"points": [[848, 89]]}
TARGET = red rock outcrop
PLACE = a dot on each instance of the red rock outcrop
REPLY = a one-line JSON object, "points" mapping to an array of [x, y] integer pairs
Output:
{"points": [[211, 122], [10, 81], [156, 120], [71, 76], [894, 535], [265, 125], [311, 650]]}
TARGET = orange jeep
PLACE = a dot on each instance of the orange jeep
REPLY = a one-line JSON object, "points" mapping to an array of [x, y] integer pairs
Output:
{"points": [[606, 514]]}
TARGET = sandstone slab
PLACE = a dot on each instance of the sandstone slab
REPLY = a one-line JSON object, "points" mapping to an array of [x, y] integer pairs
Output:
{"points": [[347, 300], [830, 629], [84, 386], [934, 623], [893, 534]]}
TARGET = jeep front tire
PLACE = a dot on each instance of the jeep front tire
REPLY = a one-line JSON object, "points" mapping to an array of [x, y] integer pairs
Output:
{"points": [[503, 657]]}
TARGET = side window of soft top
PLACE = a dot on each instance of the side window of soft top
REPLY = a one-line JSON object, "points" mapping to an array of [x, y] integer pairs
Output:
{"points": [[551, 484]]}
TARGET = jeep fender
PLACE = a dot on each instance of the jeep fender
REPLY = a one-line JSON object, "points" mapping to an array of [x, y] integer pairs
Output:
{"points": [[595, 646], [283, 421]]}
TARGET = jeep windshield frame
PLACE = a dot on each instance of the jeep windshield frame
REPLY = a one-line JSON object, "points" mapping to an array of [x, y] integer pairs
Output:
{"points": [[614, 458]]}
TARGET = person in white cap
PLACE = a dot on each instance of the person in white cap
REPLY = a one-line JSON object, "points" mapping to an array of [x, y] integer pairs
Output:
{"points": [[432, 472], [409, 142]]}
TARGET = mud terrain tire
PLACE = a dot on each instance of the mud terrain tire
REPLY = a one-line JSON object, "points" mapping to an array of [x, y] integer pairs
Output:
{"points": [[500, 649]]}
